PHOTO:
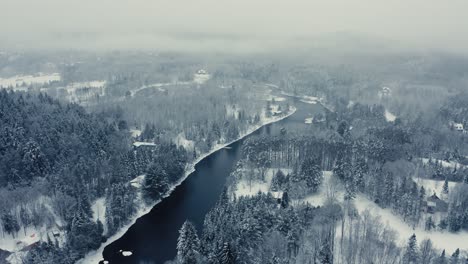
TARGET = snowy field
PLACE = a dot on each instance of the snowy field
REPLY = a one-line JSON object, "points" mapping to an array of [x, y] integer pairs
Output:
{"points": [[99, 212], [434, 186], [32, 235], [26, 80], [445, 164], [329, 190], [83, 91], [250, 188], [441, 240], [158, 86]]}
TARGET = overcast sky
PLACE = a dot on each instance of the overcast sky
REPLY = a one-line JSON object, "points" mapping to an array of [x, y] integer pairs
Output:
{"points": [[242, 23]]}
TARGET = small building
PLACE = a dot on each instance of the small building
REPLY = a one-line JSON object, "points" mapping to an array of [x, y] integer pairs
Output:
{"points": [[202, 72], [385, 92], [434, 204], [458, 126]]}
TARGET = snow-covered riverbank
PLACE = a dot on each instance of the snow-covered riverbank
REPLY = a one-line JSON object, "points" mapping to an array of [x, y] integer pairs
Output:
{"points": [[96, 256]]}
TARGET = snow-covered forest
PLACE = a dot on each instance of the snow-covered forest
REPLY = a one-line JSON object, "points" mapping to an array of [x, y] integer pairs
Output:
{"points": [[250, 132]]}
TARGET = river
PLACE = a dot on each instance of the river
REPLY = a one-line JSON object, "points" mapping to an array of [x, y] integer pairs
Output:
{"points": [[153, 238]]}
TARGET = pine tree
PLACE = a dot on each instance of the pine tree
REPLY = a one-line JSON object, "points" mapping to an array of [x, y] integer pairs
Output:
{"points": [[310, 171], [188, 244], [25, 218], [411, 254], [455, 257], [285, 200], [325, 255], [445, 188], [441, 259], [156, 182], [226, 255], [278, 181], [429, 225]]}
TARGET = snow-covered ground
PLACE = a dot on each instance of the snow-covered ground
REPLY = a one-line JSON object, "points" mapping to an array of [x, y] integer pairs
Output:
{"points": [[442, 240], [200, 78], [445, 164], [182, 141], [330, 189], [250, 188], [389, 116], [96, 255], [309, 120], [26, 80], [434, 186], [231, 111], [34, 234], [135, 132], [275, 109], [141, 143], [99, 212], [137, 182], [275, 98], [159, 86], [83, 91], [304, 98]]}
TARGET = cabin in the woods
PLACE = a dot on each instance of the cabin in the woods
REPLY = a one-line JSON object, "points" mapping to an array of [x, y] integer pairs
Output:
{"points": [[434, 204]]}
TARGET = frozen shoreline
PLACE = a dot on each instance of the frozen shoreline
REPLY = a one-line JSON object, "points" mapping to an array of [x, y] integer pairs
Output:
{"points": [[96, 255]]}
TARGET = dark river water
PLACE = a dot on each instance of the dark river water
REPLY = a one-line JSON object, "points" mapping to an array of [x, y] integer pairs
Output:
{"points": [[153, 238]]}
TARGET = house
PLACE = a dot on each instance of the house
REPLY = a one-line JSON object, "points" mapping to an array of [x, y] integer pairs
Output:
{"points": [[458, 126], [434, 204], [385, 92], [202, 72]]}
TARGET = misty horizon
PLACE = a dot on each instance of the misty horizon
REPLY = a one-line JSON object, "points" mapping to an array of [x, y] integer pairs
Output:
{"points": [[238, 27]]}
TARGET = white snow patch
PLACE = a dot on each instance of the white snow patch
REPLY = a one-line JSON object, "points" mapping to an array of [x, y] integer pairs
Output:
{"points": [[83, 91], [309, 120], [201, 77], [33, 235], [99, 211], [441, 240], [231, 110], [275, 98], [330, 189], [250, 188], [389, 116], [137, 182], [274, 110], [434, 186], [135, 132], [158, 86], [17, 257], [26, 80], [181, 140], [445, 164], [141, 143], [308, 101]]}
